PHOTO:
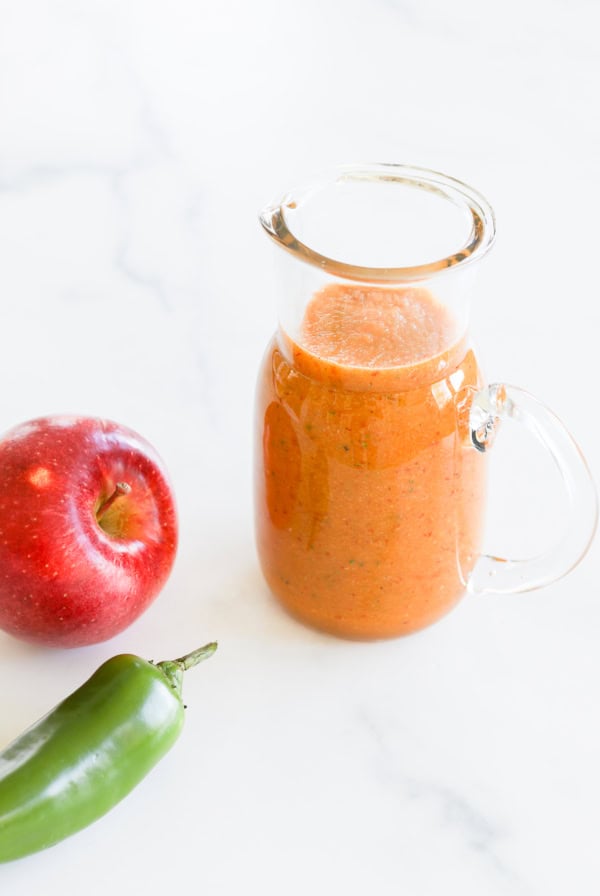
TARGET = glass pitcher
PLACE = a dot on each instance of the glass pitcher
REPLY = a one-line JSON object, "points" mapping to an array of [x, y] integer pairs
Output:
{"points": [[373, 422]]}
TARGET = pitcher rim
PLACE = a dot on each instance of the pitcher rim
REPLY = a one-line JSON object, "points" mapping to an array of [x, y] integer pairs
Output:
{"points": [[479, 240]]}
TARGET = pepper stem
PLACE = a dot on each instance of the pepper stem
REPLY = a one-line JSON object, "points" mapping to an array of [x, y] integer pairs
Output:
{"points": [[196, 656], [173, 669]]}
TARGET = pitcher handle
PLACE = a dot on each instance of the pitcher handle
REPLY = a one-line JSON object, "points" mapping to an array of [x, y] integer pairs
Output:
{"points": [[499, 402]]}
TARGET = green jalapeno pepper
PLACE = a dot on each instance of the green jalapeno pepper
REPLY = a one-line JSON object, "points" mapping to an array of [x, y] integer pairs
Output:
{"points": [[90, 751]]}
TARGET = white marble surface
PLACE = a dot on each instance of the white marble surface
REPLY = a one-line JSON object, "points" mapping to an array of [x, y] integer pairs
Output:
{"points": [[138, 142]]}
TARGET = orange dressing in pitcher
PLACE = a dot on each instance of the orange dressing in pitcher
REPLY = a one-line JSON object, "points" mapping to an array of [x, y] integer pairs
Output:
{"points": [[369, 505]]}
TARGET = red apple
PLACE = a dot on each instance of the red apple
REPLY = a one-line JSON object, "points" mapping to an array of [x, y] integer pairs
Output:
{"points": [[88, 529]]}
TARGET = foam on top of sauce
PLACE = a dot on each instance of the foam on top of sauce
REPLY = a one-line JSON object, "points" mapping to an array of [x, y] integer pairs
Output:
{"points": [[373, 327]]}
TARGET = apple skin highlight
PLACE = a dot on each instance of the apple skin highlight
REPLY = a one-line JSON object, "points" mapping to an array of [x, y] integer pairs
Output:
{"points": [[88, 529]]}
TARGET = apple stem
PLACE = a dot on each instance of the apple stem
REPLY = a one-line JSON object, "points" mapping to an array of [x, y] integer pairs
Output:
{"points": [[121, 488]]}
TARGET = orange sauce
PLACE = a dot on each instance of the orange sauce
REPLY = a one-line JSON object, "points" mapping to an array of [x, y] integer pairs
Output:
{"points": [[368, 502]]}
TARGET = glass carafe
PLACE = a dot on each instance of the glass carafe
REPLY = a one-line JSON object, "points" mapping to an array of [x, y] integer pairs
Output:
{"points": [[373, 421]]}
